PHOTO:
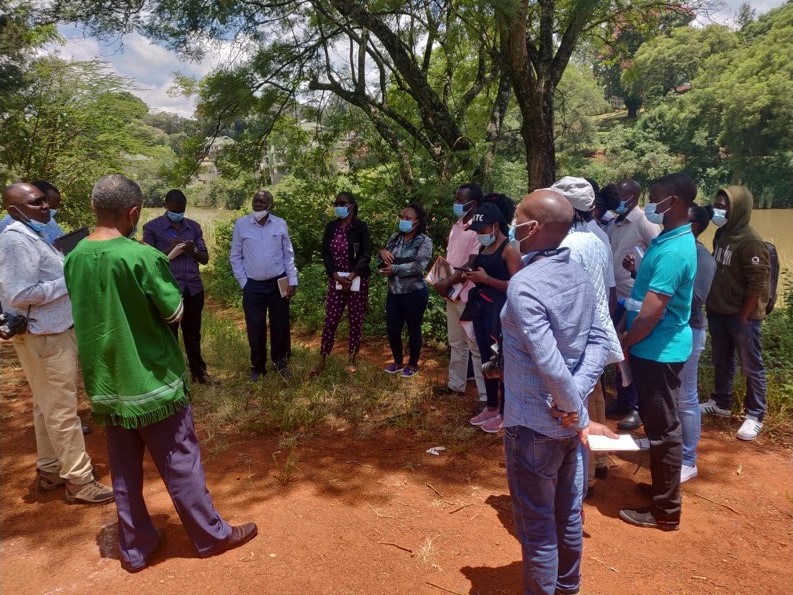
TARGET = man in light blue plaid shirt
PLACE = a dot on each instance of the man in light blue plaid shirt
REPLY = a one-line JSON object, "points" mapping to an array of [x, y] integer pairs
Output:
{"points": [[554, 352]]}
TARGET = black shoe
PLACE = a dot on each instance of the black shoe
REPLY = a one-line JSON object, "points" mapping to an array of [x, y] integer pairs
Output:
{"points": [[205, 379], [256, 375], [601, 472], [616, 410], [444, 390], [240, 534], [285, 372], [643, 517], [630, 422]]}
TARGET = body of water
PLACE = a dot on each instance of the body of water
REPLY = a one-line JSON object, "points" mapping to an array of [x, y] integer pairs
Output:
{"points": [[773, 225]]}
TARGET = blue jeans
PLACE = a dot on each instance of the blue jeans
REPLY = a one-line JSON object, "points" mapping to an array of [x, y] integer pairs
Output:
{"points": [[688, 402], [546, 506], [727, 335]]}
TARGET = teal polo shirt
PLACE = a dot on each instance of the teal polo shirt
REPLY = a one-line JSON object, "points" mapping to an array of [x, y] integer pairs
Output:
{"points": [[668, 268]]}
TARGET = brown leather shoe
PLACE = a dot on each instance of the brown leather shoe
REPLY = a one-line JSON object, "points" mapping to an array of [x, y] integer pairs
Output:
{"points": [[240, 534]]}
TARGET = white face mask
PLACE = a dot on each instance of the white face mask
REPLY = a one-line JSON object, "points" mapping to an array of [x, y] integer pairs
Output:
{"points": [[719, 217], [259, 215], [519, 242]]}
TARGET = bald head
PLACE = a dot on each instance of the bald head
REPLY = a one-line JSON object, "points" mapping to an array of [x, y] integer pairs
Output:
{"points": [[25, 202], [547, 216]]}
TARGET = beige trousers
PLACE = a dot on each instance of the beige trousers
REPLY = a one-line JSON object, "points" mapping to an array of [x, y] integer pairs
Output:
{"points": [[460, 346], [596, 407], [50, 365]]}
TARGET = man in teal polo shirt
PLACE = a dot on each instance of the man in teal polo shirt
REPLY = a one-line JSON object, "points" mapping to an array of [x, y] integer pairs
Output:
{"points": [[659, 341]]}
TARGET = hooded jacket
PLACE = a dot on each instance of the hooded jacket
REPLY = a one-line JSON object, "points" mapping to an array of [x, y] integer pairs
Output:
{"points": [[742, 262]]}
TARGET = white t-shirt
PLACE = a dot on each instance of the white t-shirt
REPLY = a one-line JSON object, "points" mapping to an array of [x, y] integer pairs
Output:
{"points": [[589, 251], [634, 230]]}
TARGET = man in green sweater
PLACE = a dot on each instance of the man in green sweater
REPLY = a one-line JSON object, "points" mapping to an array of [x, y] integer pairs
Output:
{"points": [[124, 298], [736, 307]]}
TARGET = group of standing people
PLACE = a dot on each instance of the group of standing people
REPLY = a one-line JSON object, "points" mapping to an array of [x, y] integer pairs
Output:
{"points": [[542, 297]]}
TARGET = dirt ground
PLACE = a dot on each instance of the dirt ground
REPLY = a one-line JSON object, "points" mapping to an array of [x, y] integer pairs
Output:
{"points": [[377, 514]]}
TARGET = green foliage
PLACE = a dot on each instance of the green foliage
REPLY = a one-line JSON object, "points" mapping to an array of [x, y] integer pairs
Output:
{"points": [[577, 97], [734, 123], [71, 123]]}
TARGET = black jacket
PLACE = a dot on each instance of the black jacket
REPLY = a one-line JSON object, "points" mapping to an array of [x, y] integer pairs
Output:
{"points": [[359, 247]]}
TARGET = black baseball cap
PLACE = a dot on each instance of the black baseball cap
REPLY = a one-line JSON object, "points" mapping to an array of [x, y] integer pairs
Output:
{"points": [[486, 214]]}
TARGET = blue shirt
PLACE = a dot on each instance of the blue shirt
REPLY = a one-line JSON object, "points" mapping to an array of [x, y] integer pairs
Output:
{"points": [[52, 232], [262, 252], [668, 268], [554, 347]]}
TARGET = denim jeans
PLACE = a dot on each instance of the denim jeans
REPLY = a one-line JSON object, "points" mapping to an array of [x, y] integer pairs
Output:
{"points": [[727, 335], [546, 507], [688, 403]]}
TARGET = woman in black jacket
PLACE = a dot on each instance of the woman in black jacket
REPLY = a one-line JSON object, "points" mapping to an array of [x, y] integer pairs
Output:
{"points": [[346, 253]]}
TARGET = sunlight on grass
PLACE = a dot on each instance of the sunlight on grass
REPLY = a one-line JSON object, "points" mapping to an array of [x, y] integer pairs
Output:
{"points": [[367, 400]]}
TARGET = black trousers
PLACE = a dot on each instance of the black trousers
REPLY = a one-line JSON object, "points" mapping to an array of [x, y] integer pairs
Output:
{"points": [[658, 386], [191, 331], [402, 309], [260, 300]]}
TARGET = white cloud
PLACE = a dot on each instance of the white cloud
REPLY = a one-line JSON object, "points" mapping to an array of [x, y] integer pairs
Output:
{"points": [[148, 65]]}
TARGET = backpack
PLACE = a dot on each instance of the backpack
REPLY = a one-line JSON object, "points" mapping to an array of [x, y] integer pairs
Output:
{"points": [[773, 280]]}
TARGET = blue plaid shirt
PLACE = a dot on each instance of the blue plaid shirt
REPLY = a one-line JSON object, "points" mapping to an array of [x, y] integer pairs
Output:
{"points": [[554, 347]]}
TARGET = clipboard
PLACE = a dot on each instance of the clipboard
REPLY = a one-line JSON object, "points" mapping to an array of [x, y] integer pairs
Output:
{"points": [[68, 242]]}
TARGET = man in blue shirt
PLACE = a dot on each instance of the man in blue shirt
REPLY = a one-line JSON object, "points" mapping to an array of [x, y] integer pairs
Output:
{"points": [[261, 254], [659, 342], [182, 240], [554, 349]]}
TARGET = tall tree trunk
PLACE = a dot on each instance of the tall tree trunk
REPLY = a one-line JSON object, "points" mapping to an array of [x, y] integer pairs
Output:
{"points": [[495, 126], [537, 133]]}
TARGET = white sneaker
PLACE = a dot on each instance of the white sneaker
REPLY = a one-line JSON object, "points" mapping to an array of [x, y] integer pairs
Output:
{"points": [[687, 473], [711, 408], [750, 429]]}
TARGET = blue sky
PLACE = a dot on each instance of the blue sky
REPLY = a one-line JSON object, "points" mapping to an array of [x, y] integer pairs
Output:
{"points": [[151, 67]]}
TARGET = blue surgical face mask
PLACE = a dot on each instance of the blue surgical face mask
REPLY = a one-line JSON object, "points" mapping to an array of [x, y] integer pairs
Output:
{"points": [[620, 210], [511, 233], [132, 233], [719, 217], [342, 212], [36, 226], [459, 209], [486, 239], [175, 217], [652, 215], [405, 225]]}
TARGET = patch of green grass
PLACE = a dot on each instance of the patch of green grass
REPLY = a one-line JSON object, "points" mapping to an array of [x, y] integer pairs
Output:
{"points": [[337, 398]]}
